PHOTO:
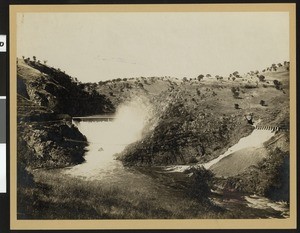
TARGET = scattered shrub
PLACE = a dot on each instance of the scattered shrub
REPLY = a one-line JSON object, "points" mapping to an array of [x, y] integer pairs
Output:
{"points": [[249, 86], [200, 182], [200, 77], [261, 78], [235, 91], [278, 85]]}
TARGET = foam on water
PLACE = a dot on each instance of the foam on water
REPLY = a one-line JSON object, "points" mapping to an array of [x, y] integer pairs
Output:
{"points": [[255, 139], [258, 202], [108, 138]]}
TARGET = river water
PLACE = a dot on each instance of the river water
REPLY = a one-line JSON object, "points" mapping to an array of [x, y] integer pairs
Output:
{"points": [[106, 138]]}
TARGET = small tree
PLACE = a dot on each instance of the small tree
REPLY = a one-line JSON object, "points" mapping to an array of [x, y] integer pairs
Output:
{"points": [[141, 85], [235, 73], [236, 106], [235, 91], [34, 58], [262, 103], [262, 78], [200, 77], [200, 182], [236, 94], [277, 84]]}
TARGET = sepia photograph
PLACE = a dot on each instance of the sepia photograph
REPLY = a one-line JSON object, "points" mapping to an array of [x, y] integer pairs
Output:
{"points": [[124, 114]]}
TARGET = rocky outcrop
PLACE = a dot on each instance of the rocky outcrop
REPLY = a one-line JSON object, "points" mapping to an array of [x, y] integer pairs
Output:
{"points": [[54, 145], [57, 91], [46, 139], [47, 98], [185, 135]]}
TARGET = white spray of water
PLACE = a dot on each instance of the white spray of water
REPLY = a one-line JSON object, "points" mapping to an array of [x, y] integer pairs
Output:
{"points": [[255, 139], [131, 118], [108, 138]]}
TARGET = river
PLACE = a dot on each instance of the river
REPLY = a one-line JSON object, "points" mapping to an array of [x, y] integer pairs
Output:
{"points": [[106, 138]]}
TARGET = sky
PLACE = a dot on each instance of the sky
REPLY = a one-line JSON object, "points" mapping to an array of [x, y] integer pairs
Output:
{"points": [[99, 46]]}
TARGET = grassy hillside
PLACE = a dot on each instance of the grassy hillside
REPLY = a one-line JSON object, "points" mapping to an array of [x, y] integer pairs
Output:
{"points": [[199, 120]]}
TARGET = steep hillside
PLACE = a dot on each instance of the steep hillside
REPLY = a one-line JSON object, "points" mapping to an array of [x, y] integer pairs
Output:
{"points": [[199, 120], [46, 97], [122, 90], [46, 139], [57, 91]]}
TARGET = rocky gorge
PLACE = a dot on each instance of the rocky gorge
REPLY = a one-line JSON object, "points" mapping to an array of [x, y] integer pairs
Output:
{"points": [[190, 122]]}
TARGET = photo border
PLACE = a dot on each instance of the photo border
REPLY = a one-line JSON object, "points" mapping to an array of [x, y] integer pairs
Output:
{"points": [[289, 223]]}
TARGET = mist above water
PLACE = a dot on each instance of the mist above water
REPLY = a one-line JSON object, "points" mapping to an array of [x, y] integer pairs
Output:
{"points": [[131, 119], [107, 138]]}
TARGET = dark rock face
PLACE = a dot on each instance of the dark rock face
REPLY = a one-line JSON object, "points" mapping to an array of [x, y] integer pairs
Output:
{"points": [[52, 145], [47, 98], [47, 139], [184, 136]]}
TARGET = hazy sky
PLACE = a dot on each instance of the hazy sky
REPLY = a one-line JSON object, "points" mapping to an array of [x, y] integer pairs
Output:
{"points": [[99, 46]]}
